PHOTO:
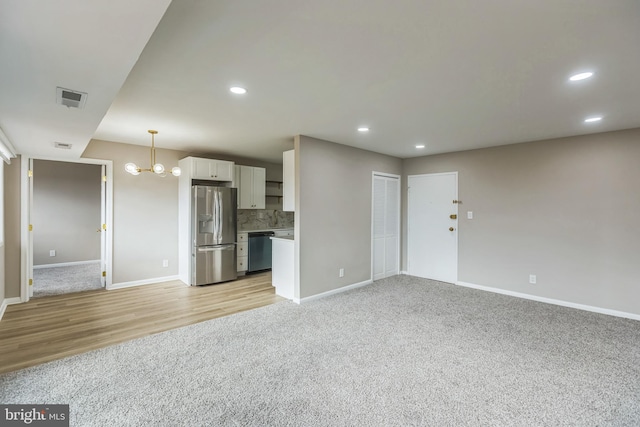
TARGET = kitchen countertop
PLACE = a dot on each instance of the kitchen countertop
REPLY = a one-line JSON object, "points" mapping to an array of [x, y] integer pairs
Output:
{"points": [[265, 229], [291, 238]]}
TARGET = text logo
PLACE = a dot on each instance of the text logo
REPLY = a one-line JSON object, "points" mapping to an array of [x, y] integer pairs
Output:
{"points": [[34, 415]]}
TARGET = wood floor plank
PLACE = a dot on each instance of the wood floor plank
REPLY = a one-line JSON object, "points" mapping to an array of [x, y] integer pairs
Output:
{"points": [[50, 328]]}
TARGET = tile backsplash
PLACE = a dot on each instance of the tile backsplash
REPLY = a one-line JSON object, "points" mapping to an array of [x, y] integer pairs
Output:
{"points": [[260, 219]]}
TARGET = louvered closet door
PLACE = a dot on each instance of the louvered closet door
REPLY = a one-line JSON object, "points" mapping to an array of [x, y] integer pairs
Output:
{"points": [[386, 226]]}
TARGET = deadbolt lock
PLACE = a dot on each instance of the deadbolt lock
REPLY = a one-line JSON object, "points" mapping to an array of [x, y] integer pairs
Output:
{"points": [[451, 229], [453, 216]]}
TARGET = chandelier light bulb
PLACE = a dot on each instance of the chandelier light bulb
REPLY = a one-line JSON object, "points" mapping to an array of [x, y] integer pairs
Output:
{"points": [[176, 171], [158, 168], [132, 168]]}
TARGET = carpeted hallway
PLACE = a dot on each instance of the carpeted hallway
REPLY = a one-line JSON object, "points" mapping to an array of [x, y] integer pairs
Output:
{"points": [[403, 351], [66, 279]]}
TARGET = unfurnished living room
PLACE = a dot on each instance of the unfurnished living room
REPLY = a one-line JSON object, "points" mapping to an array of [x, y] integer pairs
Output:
{"points": [[335, 213]]}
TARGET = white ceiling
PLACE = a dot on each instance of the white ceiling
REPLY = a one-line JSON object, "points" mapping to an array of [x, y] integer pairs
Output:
{"points": [[453, 75]]}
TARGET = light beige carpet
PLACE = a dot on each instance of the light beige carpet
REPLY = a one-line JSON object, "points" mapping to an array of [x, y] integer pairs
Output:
{"points": [[67, 279], [401, 352]]}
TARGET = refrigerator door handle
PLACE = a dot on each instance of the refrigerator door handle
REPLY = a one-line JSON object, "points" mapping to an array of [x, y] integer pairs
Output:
{"points": [[216, 248], [216, 216], [220, 211]]}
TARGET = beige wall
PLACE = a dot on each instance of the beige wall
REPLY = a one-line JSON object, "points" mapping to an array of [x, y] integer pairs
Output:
{"points": [[145, 209], [12, 229], [65, 212], [333, 213], [565, 210]]}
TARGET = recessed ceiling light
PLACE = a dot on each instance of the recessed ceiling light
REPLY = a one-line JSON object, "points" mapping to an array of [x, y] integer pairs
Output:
{"points": [[238, 90], [420, 146], [593, 119], [581, 76], [363, 129]]}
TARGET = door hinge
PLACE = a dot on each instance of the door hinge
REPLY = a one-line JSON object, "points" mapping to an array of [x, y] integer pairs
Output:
{"points": [[457, 202], [104, 227], [29, 173], [30, 227], [104, 274], [30, 282], [104, 178]]}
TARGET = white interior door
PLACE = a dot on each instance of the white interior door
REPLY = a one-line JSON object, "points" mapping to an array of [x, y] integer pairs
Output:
{"points": [[386, 226], [432, 228]]}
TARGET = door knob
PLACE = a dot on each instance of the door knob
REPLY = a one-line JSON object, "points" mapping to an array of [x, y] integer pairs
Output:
{"points": [[451, 228], [453, 216]]}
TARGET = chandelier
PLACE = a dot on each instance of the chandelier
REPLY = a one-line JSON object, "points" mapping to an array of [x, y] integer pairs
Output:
{"points": [[156, 168]]}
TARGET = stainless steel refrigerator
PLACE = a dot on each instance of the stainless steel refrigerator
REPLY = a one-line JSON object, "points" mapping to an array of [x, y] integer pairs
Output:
{"points": [[213, 229]]}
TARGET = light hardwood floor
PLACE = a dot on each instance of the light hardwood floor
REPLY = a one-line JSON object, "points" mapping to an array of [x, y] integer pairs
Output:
{"points": [[50, 328]]}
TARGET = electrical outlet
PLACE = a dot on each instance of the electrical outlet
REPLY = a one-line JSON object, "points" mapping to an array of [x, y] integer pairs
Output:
{"points": [[532, 279], [165, 263], [341, 272], [52, 252], [469, 215]]}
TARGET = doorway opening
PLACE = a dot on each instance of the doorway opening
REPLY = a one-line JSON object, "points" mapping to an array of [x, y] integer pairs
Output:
{"points": [[66, 212], [66, 224]]}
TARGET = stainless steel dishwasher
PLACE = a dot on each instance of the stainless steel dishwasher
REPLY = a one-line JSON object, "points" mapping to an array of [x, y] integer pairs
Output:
{"points": [[259, 251]]}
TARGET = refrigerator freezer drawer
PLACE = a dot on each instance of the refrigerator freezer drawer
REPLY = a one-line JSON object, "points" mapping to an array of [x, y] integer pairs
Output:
{"points": [[214, 264]]}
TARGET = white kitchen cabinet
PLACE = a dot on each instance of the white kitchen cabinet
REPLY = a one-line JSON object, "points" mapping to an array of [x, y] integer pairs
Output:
{"points": [[289, 184], [210, 169], [251, 184], [243, 252]]}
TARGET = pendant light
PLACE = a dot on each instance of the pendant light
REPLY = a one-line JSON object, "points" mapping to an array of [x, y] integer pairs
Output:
{"points": [[156, 168]]}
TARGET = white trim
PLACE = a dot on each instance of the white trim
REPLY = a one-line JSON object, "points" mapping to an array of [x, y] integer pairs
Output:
{"points": [[25, 269], [152, 281], [26, 255], [6, 302], [7, 150], [387, 175], [553, 301], [332, 292], [66, 264]]}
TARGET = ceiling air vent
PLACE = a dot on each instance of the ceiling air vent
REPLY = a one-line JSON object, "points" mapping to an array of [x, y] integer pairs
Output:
{"points": [[63, 145], [70, 98]]}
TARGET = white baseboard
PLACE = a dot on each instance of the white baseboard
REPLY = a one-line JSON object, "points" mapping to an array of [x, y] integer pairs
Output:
{"points": [[332, 292], [152, 281], [66, 264], [553, 301], [403, 272], [6, 302]]}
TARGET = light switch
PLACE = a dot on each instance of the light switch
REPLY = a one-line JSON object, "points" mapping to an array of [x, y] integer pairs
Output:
{"points": [[469, 215]]}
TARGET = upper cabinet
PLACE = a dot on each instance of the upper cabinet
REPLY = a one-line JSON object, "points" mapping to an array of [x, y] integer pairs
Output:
{"points": [[289, 185], [251, 183], [216, 170]]}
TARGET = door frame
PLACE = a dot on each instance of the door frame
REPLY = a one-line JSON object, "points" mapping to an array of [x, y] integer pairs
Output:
{"points": [[398, 245], [454, 173], [26, 237]]}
